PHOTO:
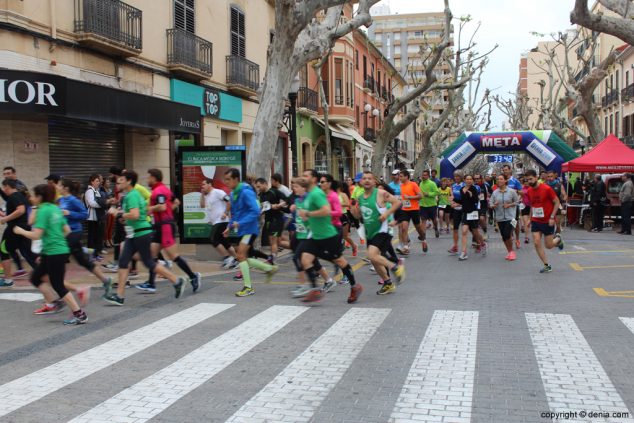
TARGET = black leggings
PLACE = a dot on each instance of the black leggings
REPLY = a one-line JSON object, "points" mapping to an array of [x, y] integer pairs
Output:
{"points": [[506, 230], [55, 267], [95, 236], [298, 247], [77, 251], [139, 245]]}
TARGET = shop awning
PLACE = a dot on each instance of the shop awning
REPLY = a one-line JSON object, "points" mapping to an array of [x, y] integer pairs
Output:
{"points": [[357, 136], [334, 129]]}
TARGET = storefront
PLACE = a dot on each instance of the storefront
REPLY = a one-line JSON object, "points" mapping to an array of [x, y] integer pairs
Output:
{"points": [[52, 124]]}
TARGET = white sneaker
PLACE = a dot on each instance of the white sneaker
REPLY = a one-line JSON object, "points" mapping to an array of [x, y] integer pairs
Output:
{"points": [[329, 286], [463, 256], [300, 291]]}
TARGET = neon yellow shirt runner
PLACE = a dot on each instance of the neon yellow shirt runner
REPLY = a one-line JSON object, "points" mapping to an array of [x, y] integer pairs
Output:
{"points": [[371, 212], [357, 192], [443, 196], [430, 190]]}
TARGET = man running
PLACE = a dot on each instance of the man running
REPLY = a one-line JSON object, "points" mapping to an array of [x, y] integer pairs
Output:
{"points": [[399, 214], [410, 197], [215, 202], [245, 215], [485, 193], [456, 209], [544, 203], [162, 210], [273, 203], [373, 208], [428, 205], [138, 233], [555, 183], [325, 242], [513, 183]]}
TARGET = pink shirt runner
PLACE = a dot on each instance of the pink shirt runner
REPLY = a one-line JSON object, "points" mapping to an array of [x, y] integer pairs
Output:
{"points": [[335, 208]]}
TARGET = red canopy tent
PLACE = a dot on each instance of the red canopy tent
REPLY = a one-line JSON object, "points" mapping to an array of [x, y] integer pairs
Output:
{"points": [[609, 156]]}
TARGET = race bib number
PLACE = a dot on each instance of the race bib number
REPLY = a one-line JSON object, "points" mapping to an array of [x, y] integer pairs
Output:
{"points": [[266, 206], [407, 204], [514, 223], [36, 246], [538, 212], [300, 228], [522, 206], [481, 197], [129, 231], [473, 216], [442, 206]]}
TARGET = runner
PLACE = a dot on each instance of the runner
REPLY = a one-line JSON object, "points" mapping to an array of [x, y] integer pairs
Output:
{"points": [[484, 195], [273, 203], [245, 214], [373, 208], [164, 227], [76, 213], [456, 209], [326, 183], [504, 202], [399, 214], [469, 200], [555, 183], [513, 183], [15, 216], [525, 210], [138, 239], [428, 206], [324, 242], [444, 204], [50, 227], [215, 202], [346, 217], [544, 204], [410, 197]]}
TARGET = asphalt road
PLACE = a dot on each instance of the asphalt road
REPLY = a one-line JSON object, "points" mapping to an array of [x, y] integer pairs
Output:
{"points": [[483, 340]]}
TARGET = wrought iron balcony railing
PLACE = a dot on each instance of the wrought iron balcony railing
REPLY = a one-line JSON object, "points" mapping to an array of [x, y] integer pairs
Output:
{"points": [[112, 20], [187, 49], [307, 98], [243, 73]]}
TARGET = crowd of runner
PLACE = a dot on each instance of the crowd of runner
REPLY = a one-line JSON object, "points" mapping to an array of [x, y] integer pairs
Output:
{"points": [[314, 219]]}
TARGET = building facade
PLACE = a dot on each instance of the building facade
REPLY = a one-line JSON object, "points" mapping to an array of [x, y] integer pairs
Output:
{"points": [[87, 84]]}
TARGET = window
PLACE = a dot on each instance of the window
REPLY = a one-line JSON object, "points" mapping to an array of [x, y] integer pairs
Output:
{"points": [[338, 81], [365, 67], [324, 80], [605, 124], [397, 36], [356, 59], [351, 85], [357, 116], [626, 126], [616, 82], [611, 124], [627, 79], [238, 39], [184, 15], [617, 117]]}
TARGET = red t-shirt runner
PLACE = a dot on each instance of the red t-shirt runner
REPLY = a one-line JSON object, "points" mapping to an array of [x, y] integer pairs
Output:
{"points": [[541, 197], [161, 194]]}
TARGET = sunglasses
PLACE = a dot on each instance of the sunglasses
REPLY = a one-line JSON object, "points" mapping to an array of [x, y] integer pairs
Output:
{"points": [[323, 182]]}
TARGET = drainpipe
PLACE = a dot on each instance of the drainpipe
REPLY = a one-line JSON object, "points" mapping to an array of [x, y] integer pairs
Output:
{"points": [[53, 7]]}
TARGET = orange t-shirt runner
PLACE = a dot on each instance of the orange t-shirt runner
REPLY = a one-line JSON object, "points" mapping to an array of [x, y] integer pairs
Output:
{"points": [[410, 189]]}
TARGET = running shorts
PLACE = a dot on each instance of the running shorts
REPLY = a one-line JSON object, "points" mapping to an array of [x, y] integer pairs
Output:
{"points": [[164, 234]]}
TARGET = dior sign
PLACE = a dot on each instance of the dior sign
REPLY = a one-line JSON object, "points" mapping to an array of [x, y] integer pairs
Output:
{"points": [[31, 92]]}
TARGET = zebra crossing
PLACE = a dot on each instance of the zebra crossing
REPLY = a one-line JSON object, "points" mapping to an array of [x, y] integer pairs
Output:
{"points": [[439, 385]]}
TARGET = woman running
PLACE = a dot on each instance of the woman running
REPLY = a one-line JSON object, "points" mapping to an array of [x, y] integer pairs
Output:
{"points": [[525, 209], [346, 217], [444, 204], [328, 185], [470, 217], [51, 227], [504, 201]]}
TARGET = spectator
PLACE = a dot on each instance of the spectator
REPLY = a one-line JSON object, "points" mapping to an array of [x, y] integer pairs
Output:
{"points": [[434, 177], [96, 205], [626, 195], [9, 173], [597, 202]]}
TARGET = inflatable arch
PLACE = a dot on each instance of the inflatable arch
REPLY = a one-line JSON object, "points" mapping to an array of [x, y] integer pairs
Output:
{"points": [[545, 147]]}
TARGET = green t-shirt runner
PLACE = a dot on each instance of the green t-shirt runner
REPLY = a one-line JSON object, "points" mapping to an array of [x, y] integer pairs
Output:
{"points": [[51, 220], [371, 212], [139, 227], [430, 193], [301, 227], [320, 227]]}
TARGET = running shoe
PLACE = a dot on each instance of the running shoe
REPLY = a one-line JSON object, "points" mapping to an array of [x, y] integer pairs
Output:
{"points": [[478, 249], [98, 258], [344, 280], [166, 263], [6, 283], [46, 309], [399, 249], [400, 274], [453, 250], [110, 267], [355, 251], [300, 291], [355, 293], [425, 247], [483, 248], [196, 282], [463, 256], [546, 269], [19, 274], [329, 285], [437, 233], [76, 320], [372, 269], [507, 257], [238, 277], [365, 259], [179, 287], [512, 256], [146, 287], [313, 295], [83, 293], [561, 243], [245, 292], [270, 261], [526, 241], [113, 299], [386, 289], [133, 274], [518, 244], [116, 284], [270, 273]]}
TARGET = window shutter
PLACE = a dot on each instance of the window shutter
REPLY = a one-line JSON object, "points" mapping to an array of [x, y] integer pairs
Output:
{"points": [[179, 15], [238, 39], [184, 16]]}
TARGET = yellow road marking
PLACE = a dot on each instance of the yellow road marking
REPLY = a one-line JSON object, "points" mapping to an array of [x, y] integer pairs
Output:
{"points": [[592, 252], [578, 268], [620, 294]]}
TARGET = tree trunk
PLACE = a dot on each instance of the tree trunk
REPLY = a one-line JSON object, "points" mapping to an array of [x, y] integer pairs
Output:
{"points": [[325, 107]]}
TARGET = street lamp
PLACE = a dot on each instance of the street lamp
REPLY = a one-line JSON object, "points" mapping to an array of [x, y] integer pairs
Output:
{"points": [[292, 96]]}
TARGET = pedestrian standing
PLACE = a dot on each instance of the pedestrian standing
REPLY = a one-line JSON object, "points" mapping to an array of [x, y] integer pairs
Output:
{"points": [[96, 205], [51, 228], [626, 196], [598, 199], [504, 202]]}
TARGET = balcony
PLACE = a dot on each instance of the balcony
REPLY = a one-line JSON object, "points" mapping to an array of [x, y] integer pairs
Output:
{"points": [[339, 100], [627, 93], [110, 26], [243, 76], [610, 98], [188, 55], [307, 98], [368, 84]]}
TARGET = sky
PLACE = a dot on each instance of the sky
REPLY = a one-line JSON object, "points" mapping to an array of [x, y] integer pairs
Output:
{"points": [[508, 23]]}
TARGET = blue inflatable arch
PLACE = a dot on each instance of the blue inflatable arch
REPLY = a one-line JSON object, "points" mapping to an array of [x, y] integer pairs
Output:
{"points": [[459, 154]]}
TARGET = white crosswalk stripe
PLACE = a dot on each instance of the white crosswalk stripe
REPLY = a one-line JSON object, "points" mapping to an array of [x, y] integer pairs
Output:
{"points": [[154, 394], [21, 296], [295, 394], [439, 386], [573, 378], [32, 387]]}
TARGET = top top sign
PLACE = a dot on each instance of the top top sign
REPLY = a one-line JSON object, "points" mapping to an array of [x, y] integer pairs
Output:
{"points": [[501, 141]]}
